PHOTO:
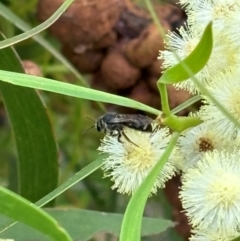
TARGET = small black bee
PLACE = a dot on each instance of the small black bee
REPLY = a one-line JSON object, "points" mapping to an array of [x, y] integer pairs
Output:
{"points": [[114, 123]]}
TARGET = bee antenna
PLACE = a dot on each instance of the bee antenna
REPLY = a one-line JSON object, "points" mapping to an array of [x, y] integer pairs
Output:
{"points": [[88, 130], [90, 119]]}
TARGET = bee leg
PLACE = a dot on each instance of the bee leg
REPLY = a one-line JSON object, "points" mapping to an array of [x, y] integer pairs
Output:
{"points": [[112, 133], [155, 129], [127, 138], [119, 135]]}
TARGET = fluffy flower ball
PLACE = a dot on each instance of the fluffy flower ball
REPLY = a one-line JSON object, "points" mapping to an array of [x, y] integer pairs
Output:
{"points": [[211, 193], [131, 160], [194, 143]]}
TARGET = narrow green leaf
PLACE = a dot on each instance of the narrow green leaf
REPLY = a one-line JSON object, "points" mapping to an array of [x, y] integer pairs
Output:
{"points": [[186, 104], [18, 22], [37, 151], [22, 210], [132, 220], [86, 171], [39, 28], [72, 90], [84, 224], [194, 62]]}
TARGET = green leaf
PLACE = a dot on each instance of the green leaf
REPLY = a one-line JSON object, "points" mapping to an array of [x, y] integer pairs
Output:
{"points": [[18, 22], [236, 239], [131, 226], [86, 171], [72, 90], [186, 104], [84, 224], [192, 63], [181, 123], [22, 210], [39, 28], [37, 151]]}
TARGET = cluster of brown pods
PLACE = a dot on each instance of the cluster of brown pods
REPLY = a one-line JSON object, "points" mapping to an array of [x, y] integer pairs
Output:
{"points": [[117, 43]]}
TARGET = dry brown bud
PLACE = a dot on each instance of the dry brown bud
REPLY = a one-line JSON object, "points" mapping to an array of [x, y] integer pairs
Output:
{"points": [[117, 72], [97, 82], [143, 50], [155, 68], [170, 14], [31, 68], [87, 62], [143, 94], [151, 80], [84, 22]]}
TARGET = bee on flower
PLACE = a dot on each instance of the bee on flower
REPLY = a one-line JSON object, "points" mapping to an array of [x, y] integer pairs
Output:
{"points": [[129, 162]]}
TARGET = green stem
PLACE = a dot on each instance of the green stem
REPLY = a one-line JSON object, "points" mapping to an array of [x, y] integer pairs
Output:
{"points": [[164, 99], [181, 123], [155, 18], [132, 220], [186, 104]]}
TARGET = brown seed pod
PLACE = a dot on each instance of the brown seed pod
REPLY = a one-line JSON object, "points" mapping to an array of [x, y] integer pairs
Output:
{"points": [[171, 14], [151, 80], [132, 21], [155, 69], [172, 194], [108, 40], [143, 50], [84, 22], [97, 82], [88, 61], [31, 68], [141, 93], [117, 72]]}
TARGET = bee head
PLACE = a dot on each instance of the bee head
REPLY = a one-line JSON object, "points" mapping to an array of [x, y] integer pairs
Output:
{"points": [[101, 125]]}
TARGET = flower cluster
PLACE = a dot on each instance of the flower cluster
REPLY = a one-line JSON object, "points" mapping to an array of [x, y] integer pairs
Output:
{"points": [[225, 52], [208, 155]]}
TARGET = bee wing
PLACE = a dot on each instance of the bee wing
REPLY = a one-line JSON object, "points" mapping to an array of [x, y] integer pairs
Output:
{"points": [[126, 118], [122, 118], [144, 119], [118, 120]]}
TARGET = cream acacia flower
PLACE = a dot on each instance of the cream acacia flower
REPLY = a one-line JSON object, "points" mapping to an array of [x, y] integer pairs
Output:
{"points": [[225, 88], [211, 193], [182, 43], [130, 162], [210, 236], [224, 55], [187, 3], [223, 13], [194, 143]]}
